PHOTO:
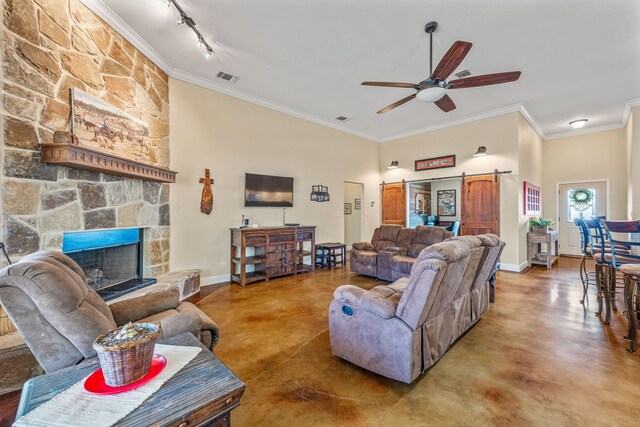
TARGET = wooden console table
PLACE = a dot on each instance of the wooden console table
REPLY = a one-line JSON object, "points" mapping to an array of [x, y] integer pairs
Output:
{"points": [[276, 251], [534, 245], [202, 393]]}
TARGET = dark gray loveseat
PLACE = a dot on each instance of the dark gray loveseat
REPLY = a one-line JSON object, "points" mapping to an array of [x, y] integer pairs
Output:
{"points": [[393, 249]]}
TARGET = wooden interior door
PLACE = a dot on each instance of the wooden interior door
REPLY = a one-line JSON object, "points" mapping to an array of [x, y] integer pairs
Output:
{"points": [[480, 205], [394, 199]]}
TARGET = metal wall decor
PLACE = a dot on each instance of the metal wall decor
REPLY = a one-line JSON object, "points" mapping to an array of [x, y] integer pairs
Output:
{"points": [[320, 193]]}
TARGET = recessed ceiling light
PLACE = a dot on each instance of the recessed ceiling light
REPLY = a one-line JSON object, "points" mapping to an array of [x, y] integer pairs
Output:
{"points": [[577, 124]]}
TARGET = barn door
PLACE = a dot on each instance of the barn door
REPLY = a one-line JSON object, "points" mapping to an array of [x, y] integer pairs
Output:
{"points": [[480, 205], [393, 204]]}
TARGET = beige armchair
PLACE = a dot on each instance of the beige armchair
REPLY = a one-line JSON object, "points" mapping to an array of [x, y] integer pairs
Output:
{"points": [[59, 315]]}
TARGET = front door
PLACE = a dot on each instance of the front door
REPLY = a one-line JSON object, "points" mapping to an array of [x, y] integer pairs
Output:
{"points": [[393, 204], [480, 205], [579, 199]]}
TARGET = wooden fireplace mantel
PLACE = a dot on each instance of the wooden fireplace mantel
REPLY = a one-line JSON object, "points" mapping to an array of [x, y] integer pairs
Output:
{"points": [[77, 156]]}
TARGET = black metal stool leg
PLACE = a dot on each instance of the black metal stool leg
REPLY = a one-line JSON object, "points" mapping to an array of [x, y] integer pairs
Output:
{"points": [[599, 287], [628, 301], [585, 279], [633, 314], [609, 274]]}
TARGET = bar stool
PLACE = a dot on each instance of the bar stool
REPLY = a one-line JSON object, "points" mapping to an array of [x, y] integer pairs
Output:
{"points": [[631, 273], [624, 238]]}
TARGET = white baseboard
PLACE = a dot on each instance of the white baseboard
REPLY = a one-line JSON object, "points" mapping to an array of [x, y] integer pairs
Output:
{"points": [[513, 267], [212, 280]]}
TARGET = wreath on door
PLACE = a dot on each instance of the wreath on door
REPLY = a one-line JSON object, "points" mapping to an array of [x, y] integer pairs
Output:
{"points": [[581, 199]]}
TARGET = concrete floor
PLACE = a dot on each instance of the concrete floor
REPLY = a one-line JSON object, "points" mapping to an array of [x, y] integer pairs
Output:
{"points": [[538, 357]]}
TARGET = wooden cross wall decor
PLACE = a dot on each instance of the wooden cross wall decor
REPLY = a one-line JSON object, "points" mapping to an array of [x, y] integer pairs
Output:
{"points": [[206, 204]]}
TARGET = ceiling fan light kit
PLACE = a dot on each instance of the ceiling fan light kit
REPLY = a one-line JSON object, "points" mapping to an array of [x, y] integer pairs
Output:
{"points": [[577, 124], [431, 94], [434, 88]]}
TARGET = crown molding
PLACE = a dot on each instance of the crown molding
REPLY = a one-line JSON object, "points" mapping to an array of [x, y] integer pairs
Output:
{"points": [[627, 110], [472, 118], [529, 118], [114, 21], [206, 83]]}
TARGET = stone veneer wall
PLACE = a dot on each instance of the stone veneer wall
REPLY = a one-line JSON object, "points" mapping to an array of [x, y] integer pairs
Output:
{"points": [[49, 46]]}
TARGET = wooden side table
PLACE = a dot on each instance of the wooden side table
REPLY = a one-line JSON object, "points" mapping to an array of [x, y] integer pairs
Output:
{"points": [[202, 393], [331, 254], [534, 246]]}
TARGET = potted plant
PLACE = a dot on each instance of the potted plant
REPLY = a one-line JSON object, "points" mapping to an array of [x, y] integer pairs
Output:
{"points": [[540, 225]]}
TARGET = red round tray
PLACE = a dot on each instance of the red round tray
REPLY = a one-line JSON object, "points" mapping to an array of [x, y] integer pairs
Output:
{"points": [[95, 382]]}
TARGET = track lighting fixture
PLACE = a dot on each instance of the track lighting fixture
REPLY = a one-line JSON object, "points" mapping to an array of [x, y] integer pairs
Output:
{"points": [[183, 18]]}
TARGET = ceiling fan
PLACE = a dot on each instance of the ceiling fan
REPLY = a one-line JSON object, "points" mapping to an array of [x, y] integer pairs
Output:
{"points": [[434, 88]]}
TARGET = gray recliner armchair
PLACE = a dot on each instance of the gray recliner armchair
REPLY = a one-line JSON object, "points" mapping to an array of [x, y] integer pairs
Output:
{"points": [[59, 315]]}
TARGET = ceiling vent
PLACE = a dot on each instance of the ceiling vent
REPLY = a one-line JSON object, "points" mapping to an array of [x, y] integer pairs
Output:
{"points": [[228, 77], [462, 74], [343, 118]]}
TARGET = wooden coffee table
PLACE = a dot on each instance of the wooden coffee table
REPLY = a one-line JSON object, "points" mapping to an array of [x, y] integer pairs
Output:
{"points": [[202, 393]]}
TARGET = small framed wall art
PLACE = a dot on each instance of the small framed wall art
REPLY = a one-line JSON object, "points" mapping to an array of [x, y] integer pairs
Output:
{"points": [[347, 208], [532, 199], [436, 163], [446, 202], [358, 204]]}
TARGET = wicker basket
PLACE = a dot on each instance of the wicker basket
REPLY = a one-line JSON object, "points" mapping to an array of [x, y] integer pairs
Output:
{"points": [[127, 363]]}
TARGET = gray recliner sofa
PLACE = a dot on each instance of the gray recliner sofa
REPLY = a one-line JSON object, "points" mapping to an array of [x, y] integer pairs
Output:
{"points": [[393, 250], [399, 264], [363, 258], [59, 315], [401, 329]]}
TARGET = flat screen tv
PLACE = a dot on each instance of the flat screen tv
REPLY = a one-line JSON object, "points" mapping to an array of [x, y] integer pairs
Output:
{"points": [[266, 190]]}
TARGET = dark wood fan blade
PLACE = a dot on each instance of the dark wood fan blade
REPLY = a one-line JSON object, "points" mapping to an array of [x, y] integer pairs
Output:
{"points": [[390, 84], [445, 104], [397, 104], [451, 60], [486, 80]]}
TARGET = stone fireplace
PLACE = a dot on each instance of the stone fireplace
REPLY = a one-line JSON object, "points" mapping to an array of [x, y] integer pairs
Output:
{"points": [[112, 260], [50, 47]]}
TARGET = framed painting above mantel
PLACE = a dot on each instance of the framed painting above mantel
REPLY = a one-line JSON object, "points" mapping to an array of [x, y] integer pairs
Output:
{"points": [[105, 139]]}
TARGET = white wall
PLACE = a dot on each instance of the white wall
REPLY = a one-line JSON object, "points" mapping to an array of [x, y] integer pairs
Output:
{"points": [[634, 175], [353, 222], [629, 151], [530, 156], [590, 157], [500, 136], [231, 137]]}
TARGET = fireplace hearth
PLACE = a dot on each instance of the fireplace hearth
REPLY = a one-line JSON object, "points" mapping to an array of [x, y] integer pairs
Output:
{"points": [[111, 259]]}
